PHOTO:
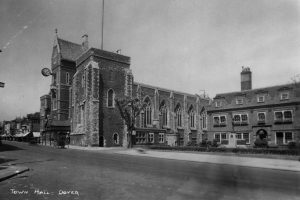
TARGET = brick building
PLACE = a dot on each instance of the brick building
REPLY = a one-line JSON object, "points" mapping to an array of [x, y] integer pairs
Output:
{"points": [[271, 113], [84, 78]]}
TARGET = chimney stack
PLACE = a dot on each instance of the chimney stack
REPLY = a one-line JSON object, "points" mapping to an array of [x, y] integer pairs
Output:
{"points": [[246, 79], [85, 42]]}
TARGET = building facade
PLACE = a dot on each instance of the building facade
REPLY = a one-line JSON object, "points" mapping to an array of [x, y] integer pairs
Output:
{"points": [[85, 83], [271, 113]]}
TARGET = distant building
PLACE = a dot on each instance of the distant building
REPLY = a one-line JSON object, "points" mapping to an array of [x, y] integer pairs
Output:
{"points": [[84, 86], [271, 113]]}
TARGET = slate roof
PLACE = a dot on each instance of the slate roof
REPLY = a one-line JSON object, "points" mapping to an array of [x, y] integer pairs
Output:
{"points": [[272, 96], [69, 50]]}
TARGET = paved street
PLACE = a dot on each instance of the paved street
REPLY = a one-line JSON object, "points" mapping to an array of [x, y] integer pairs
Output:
{"points": [[78, 174]]}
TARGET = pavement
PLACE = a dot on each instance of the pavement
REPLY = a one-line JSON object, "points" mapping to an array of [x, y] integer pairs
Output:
{"points": [[267, 163], [7, 171]]}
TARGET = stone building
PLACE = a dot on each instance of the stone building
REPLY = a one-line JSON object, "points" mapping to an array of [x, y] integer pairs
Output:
{"points": [[271, 113], [85, 83]]}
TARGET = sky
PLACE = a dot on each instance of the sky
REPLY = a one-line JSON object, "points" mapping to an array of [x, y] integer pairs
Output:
{"points": [[184, 45]]}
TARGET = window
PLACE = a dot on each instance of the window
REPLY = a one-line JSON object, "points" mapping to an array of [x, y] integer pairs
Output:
{"points": [[243, 136], [219, 137], [238, 136], [54, 104], [161, 138], [110, 98], [284, 96], [204, 121], [54, 79], [116, 138], [244, 118], [151, 138], [218, 104], [284, 116], [246, 136], [239, 101], [67, 78], [82, 114], [164, 114], [284, 138], [178, 115], [192, 118], [261, 117], [148, 112], [140, 138], [240, 119], [260, 98], [219, 120], [83, 81], [223, 136]]}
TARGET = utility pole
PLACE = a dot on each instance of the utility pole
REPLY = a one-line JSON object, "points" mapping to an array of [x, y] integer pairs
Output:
{"points": [[102, 25]]}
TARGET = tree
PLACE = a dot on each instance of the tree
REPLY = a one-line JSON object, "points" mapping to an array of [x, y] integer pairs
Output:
{"points": [[129, 109]]}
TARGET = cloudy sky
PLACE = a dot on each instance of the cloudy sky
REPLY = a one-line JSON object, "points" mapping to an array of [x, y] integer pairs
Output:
{"points": [[185, 45]]}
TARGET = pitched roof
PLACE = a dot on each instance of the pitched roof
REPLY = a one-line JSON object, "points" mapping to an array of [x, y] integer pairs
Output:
{"points": [[69, 50]]}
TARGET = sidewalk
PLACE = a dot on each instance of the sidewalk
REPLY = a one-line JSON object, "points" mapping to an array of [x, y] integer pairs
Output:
{"points": [[110, 149], [7, 171], [267, 163]]}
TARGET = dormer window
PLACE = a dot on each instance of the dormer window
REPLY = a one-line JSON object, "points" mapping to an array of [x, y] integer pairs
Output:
{"points": [[239, 101], [260, 98], [284, 96], [218, 104]]}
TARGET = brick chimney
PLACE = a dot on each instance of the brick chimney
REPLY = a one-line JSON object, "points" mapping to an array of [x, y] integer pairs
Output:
{"points": [[246, 79], [85, 42]]}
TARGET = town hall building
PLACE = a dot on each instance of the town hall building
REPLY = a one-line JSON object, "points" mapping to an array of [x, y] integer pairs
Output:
{"points": [[85, 83]]}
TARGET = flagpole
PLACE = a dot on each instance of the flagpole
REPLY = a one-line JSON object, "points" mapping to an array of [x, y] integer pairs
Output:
{"points": [[102, 24]]}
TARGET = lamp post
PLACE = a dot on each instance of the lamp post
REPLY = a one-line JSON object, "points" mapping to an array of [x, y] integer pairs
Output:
{"points": [[46, 72]]}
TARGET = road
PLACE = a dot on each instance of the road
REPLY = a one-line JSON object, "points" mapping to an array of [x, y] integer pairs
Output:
{"points": [[77, 174]]}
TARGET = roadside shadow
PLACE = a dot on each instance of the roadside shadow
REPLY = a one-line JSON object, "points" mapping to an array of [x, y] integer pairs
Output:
{"points": [[7, 147], [4, 160]]}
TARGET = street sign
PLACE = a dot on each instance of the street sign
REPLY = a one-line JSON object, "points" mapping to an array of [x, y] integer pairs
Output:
{"points": [[2, 84], [46, 72]]}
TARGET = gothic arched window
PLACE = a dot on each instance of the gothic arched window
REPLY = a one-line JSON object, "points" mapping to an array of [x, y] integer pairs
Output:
{"points": [[164, 113], [192, 116], [178, 112], [148, 112]]}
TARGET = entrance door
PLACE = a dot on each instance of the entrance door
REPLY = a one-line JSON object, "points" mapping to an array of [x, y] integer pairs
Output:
{"points": [[279, 138], [101, 141]]}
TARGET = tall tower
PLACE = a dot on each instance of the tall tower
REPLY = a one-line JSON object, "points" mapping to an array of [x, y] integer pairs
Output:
{"points": [[246, 79]]}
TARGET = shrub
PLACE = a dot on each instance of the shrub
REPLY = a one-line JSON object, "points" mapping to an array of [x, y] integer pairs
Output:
{"points": [[215, 143], [224, 142], [261, 143], [292, 145], [241, 142]]}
